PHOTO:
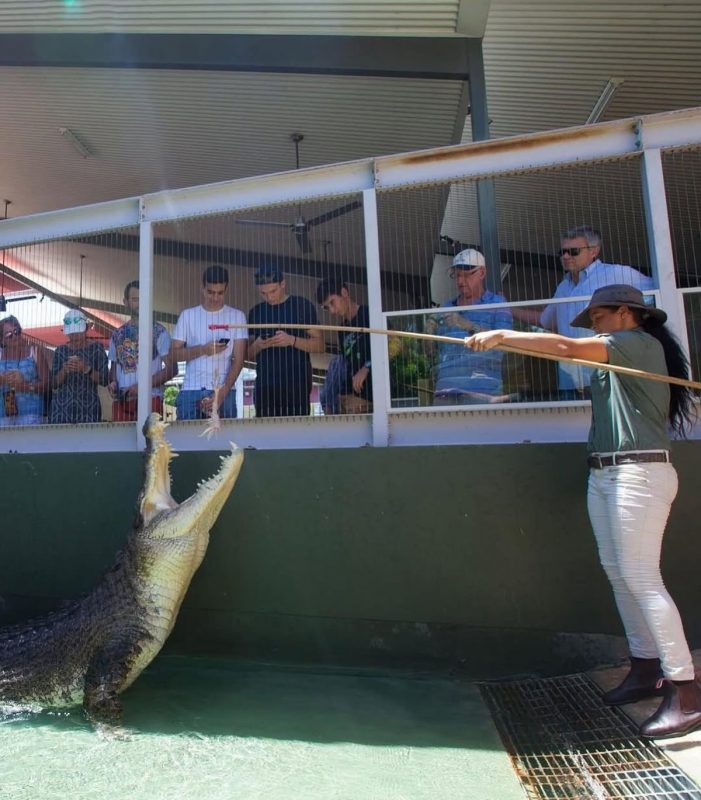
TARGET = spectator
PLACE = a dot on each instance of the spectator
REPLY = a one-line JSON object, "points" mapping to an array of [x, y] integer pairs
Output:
{"points": [[283, 366], [212, 357], [124, 357], [24, 377], [465, 377], [330, 394], [78, 368], [356, 383], [579, 253]]}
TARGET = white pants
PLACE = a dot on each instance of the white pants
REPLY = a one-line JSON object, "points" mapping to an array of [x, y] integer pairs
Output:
{"points": [[628, 508]]}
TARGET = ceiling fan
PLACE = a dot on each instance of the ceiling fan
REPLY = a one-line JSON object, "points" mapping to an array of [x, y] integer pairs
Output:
{"points": [[301, 226]]}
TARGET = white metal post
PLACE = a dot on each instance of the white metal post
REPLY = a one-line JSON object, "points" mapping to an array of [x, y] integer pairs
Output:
{"points": [[660, 239], [145, 328], [378, 343]]}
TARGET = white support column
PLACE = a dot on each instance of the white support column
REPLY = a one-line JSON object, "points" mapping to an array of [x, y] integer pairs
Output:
{"points": [[145, 328], [660, 240], [378, 343]]}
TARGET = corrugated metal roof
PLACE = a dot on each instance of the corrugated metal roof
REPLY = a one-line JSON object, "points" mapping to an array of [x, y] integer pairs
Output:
{"points": [[547, 61], [152, 129], [427, 17]]}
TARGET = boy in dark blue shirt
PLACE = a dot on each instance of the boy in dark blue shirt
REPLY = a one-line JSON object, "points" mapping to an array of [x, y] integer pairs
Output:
{"points": [[283, 366]]}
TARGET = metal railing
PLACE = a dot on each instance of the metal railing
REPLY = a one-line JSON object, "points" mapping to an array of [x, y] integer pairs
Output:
{"points": [[388, 228]]}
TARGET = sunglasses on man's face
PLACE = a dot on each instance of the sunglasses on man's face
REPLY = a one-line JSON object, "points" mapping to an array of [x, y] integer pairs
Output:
{"points": [[11, 332], [453, 272], [573, 251]]}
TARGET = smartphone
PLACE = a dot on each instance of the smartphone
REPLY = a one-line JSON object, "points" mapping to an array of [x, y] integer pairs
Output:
{"points": [[222, 341]]}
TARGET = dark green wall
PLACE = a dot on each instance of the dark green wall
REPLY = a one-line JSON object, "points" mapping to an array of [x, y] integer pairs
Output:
{"points": [[477, 556]]}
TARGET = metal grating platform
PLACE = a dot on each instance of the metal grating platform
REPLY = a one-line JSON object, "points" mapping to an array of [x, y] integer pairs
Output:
{"points": [[565, 743]]}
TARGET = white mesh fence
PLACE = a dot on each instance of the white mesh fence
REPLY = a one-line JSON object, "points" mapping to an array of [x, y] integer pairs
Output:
{"points": [[561, 233], [60, 305], [682, 171]]}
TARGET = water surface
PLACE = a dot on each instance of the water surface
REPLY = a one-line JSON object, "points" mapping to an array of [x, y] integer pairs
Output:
{"points": [[207, 728]]}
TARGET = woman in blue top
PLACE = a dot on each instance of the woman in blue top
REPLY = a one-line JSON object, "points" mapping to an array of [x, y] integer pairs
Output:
{"points": [[631, 487], [24, 377]]}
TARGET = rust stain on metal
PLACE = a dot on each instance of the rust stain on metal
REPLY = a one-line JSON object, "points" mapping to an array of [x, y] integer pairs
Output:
{"points": [[497, 146]]}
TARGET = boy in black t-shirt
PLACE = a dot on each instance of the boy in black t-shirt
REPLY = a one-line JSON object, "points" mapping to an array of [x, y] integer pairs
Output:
{"points": [[356, 396], [283, 367]]}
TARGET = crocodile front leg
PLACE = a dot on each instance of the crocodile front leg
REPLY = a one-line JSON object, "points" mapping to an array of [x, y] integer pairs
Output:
{"points": [[105, 678]]}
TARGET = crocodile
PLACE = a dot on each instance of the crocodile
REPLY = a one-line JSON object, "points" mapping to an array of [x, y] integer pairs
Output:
{"points": [[91, 650]]}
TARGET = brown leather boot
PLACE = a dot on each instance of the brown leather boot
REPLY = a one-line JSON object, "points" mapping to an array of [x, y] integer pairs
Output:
{"points": [[678, 714], [639, 683]]}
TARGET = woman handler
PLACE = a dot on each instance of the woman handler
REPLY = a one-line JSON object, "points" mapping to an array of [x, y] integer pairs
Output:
{"points": [[631, 487]]}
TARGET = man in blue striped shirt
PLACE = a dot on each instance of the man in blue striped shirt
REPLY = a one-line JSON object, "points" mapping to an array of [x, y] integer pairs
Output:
{"points": [[585, 272], [464, 377]]}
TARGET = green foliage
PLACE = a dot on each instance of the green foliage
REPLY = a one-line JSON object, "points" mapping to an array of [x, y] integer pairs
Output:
{"points": [[170, 394], [410, 361]]}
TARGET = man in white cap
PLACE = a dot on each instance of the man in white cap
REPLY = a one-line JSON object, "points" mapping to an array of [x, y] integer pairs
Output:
{"points": [[461, 380], [78, 368]]}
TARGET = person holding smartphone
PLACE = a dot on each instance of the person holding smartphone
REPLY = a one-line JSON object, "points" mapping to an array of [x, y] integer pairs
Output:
{"points": [[464, 377], [283, 365], [77, 369], [124, 358], [211, 359]]}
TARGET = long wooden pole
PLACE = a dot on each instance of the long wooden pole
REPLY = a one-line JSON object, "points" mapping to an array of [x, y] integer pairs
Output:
{"points": [[430, 337]]}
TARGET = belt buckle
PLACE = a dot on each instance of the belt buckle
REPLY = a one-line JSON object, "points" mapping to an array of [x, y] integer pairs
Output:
{"points": [[630, 458]]}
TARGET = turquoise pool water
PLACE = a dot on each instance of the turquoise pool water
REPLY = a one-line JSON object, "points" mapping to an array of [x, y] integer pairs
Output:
{"points": [[206, 729]]}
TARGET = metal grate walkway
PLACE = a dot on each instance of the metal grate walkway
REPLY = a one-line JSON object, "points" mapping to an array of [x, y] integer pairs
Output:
{"points": [[565, 743]]}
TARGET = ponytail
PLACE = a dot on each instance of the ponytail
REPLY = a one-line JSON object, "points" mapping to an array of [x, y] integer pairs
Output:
{"points": [[682, 412]]}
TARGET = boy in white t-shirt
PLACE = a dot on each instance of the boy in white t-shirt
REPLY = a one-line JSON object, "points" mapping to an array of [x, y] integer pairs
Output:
{"points": [[213, 357]]}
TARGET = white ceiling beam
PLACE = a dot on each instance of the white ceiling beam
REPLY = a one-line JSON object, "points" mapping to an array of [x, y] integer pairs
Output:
{"points": [[69, 222], [442, 164]]}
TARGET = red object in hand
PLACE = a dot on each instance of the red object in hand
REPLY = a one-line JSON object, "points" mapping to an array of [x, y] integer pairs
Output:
{"points": [[217, 326]]}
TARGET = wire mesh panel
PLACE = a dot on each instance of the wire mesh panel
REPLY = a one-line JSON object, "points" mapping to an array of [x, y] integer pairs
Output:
{"points": [[242, 290], [692, 310], [561, 233], [682, 173], [60, 302]]}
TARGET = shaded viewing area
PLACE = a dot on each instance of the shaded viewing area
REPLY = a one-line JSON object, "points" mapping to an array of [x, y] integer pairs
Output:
{"points": [[389, 227], [401, 598], [398, 619]]}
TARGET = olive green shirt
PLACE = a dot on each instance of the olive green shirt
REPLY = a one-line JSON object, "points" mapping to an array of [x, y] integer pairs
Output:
{"points": [[629, 413]]}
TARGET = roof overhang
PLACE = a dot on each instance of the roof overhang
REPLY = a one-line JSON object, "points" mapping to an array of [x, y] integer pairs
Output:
{"points": [[435, 58]]}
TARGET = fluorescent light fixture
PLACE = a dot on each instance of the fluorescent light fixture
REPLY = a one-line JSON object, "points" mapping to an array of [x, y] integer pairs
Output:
{"points": [[75, 142], [604, 99], [5, 300]]}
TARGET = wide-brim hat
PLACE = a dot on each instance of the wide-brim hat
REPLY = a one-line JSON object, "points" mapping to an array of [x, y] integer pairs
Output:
{"points": [[617, 294]]}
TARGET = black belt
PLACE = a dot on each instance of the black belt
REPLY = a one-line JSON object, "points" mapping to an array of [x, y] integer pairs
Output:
{"points": [[655, 457]]}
